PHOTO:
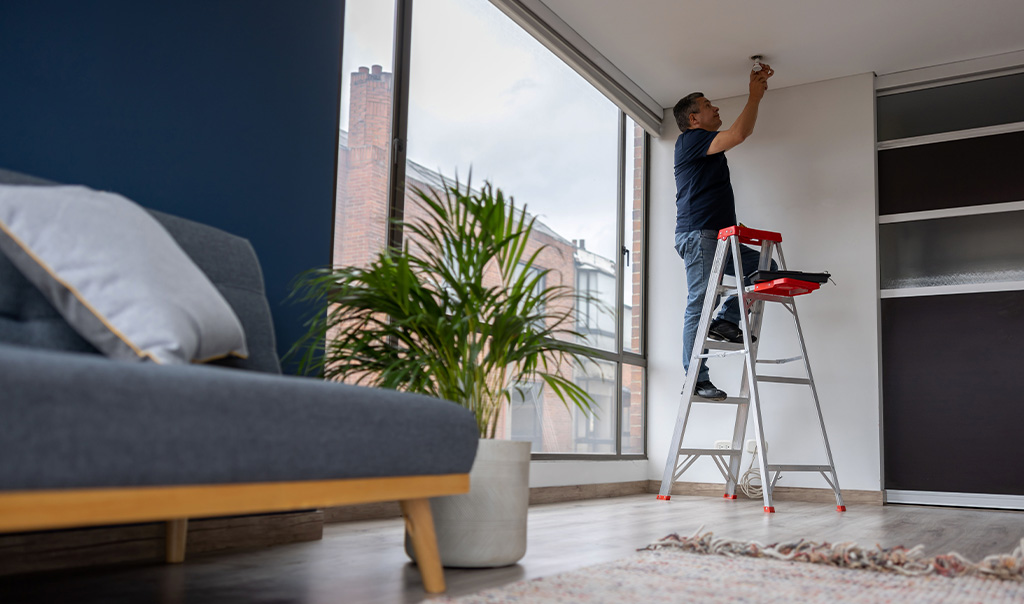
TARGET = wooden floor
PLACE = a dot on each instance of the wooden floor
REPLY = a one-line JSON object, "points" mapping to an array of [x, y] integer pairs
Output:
{"points": [[363, 562]]}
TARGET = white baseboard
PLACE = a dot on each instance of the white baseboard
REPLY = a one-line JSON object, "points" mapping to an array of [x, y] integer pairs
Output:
{"points": [[960, 500]]}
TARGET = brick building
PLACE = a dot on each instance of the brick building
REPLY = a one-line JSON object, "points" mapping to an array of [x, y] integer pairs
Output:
{"points": [[361, 219]]}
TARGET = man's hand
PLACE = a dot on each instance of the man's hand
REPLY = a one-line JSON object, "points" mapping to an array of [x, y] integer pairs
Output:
{"points": [[759, 81]]}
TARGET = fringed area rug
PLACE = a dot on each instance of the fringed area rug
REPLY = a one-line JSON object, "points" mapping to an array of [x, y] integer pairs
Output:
{"points": [[701, 568]]}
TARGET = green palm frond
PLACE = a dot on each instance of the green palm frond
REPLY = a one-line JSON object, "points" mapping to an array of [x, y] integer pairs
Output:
{"points": [[427, 318]]}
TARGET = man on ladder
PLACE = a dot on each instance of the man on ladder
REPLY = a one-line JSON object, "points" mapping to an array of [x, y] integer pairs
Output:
{"points": [[704, 205], [711, 245]]}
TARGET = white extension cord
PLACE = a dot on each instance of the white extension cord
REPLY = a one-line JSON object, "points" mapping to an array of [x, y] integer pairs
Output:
{"points": [[754, 491], [747, 485]]}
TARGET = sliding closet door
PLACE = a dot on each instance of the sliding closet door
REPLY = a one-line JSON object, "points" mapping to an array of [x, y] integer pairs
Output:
{"points": [[951, 250]]}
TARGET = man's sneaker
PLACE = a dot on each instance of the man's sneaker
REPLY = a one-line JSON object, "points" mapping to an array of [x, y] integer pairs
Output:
{"points": [[707, 390], [727, 331]]}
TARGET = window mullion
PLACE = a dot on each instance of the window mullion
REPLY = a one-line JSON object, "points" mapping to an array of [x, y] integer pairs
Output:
{"points": [[399, 120], [620, 277]]}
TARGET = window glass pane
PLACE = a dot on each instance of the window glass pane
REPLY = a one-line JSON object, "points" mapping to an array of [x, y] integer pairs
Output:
{"points": [[632, 237], [361, 214], [959, 250], [595, 318], [526, 416], [594, 432], [533, 273], [538, 416], [488, 98], [632, 410]]}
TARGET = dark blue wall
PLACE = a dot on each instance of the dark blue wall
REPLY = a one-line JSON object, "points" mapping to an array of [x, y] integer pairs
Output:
{"points": [[222, 111]]}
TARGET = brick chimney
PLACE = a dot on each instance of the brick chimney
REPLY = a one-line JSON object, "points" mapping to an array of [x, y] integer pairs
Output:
{"points": [[369, 116], [363, 164]]}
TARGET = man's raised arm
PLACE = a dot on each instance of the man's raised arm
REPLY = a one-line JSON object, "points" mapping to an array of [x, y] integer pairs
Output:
{"points": [[744, 124]]}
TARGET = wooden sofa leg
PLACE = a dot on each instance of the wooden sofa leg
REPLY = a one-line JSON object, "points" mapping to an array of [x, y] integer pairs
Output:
{"points": [[419, 522], [177, 533]]}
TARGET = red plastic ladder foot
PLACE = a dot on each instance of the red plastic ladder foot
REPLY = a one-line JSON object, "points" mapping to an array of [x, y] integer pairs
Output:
{"points": [[769, 509], [840, 508], [664, 497], [728, 496]]}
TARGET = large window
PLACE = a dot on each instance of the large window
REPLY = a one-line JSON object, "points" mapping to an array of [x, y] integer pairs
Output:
{"points": [[479, 96]]}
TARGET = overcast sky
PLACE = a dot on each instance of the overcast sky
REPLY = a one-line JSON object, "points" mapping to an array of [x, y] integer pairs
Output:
{"points": [[486, 95]]}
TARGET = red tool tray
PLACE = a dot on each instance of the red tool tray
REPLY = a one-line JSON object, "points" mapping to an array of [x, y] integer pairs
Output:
{"points": [[786, 287]]}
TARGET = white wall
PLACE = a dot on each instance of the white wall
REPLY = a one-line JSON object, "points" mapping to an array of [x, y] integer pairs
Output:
{"points": [[561, 473], [808, 172]]}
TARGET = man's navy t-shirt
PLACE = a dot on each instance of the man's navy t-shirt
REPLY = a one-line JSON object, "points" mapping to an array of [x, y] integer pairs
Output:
{"points": [[704, 198]]}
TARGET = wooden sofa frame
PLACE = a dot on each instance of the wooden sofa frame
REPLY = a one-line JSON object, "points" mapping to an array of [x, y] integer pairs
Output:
{"points": [[66, 508]]}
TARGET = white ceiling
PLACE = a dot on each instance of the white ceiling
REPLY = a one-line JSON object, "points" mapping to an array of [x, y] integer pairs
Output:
{"points": [[673, 47]]}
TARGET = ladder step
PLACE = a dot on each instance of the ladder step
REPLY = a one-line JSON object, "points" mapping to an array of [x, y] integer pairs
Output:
{"points": [[719, 345], [778, 379], [710, 451], [798, 468], [779, 361], [729, 400], [718, 355]]}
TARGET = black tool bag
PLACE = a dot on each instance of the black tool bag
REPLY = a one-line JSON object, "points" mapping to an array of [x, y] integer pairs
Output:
{"points": [[759, 276]]}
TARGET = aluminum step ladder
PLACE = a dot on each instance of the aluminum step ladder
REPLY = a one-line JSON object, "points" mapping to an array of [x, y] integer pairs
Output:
{"points": [[751, 300]]}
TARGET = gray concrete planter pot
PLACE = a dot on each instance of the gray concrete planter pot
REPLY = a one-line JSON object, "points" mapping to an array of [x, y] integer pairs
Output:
{"points": [[487, 526]]}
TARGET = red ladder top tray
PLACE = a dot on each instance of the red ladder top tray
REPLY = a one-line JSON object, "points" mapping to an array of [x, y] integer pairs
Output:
{"points": [[786, 287], [749, 235]]}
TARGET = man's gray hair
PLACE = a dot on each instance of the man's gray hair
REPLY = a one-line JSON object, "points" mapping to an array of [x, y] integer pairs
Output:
{"points": [[686, 105]]}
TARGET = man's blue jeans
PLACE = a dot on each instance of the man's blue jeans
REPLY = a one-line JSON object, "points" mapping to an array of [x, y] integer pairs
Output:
{"points": [[697, 249]]}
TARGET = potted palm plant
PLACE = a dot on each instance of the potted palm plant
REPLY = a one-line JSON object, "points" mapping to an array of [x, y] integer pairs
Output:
{"points": [[462, 312]]}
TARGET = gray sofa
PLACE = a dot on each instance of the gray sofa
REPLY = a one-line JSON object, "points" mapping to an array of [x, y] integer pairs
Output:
{"points": [[85, 440]]}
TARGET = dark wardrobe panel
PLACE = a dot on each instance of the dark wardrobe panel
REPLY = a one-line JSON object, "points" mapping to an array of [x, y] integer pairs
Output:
{"points": [[950, 108], [968, 172], [953, 388]]}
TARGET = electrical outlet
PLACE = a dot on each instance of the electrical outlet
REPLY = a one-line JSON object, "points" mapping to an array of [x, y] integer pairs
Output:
{"points": [[751, 446], [723, 444]]}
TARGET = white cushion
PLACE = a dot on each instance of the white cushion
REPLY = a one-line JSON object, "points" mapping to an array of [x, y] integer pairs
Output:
{"points": [[116, 275]]}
